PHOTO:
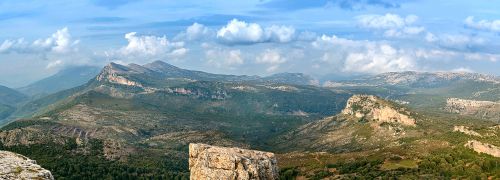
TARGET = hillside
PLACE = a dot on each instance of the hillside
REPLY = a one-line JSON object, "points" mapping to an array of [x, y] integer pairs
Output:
{"points": [[158, 109], [9, 100], [65, 79], [10, 96], [376, 138]]}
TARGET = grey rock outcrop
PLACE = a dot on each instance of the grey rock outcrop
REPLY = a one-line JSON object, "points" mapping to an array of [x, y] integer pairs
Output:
{"points": [[211, 162], [15, 166], [374, 108]]}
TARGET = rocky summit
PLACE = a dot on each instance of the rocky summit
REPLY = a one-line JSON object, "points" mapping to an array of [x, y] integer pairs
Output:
{"points": [[212, 162], [15, 166]]}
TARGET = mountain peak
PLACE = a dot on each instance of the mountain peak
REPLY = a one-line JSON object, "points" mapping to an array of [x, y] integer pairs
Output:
{"points": [[115, 67], [161, 66], [113, 73], [375, 109]]}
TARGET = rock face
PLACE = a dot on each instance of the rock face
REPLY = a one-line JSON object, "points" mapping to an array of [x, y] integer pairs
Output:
{"points": [[466, 130], [113, 73], [15, 166], [212, 162], [483, 109], [463, 105], [483, 148], [379, 110]]}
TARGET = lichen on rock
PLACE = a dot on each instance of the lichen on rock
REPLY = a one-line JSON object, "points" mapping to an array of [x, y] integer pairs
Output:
{"points": [[15, 166], [212, 162]]}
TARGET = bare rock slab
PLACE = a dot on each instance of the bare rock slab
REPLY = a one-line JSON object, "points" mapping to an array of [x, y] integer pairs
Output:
{"points": [[15, 166], [213, 163]]}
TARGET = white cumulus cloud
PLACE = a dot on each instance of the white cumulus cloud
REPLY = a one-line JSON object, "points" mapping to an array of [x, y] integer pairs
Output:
{"points": [[195, 32], [240, 32], [485, 25], [280, 33], [60, 42], [152, 46], [393, 25]]}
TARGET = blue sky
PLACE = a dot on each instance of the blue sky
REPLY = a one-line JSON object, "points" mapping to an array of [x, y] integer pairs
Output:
{"points": [[323, 38]]}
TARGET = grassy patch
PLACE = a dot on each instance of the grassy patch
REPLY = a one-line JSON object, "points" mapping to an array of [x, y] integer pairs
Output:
{"points": [[406, 163]]}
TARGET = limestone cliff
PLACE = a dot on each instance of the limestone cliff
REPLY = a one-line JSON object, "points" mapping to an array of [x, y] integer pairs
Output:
{"points": [[212, 162], [113, 73], [378, 110], [483, 148], [15, 166]]}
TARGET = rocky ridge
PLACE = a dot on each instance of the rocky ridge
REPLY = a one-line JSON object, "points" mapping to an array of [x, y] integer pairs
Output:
{"points": [[377, 110], [411, 77], [212, 162], [15, 166]]}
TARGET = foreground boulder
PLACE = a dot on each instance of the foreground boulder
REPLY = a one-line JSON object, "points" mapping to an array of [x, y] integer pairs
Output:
{"points": [[15, 166], [212, 162]]}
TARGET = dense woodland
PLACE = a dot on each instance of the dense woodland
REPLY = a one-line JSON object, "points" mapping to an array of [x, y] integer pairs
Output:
{"points": [[66, 163]]}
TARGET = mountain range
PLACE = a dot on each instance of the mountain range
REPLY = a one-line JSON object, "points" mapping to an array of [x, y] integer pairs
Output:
{"points": [[142, 117]]}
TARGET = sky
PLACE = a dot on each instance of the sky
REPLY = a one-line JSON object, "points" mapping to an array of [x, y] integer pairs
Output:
{"points": [[322, 38]]}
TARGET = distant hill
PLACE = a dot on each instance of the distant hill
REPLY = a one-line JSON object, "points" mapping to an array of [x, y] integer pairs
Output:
{"points": [[10, 96], [9, 99], [64, 79], [413, 79], [428, 79]]}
